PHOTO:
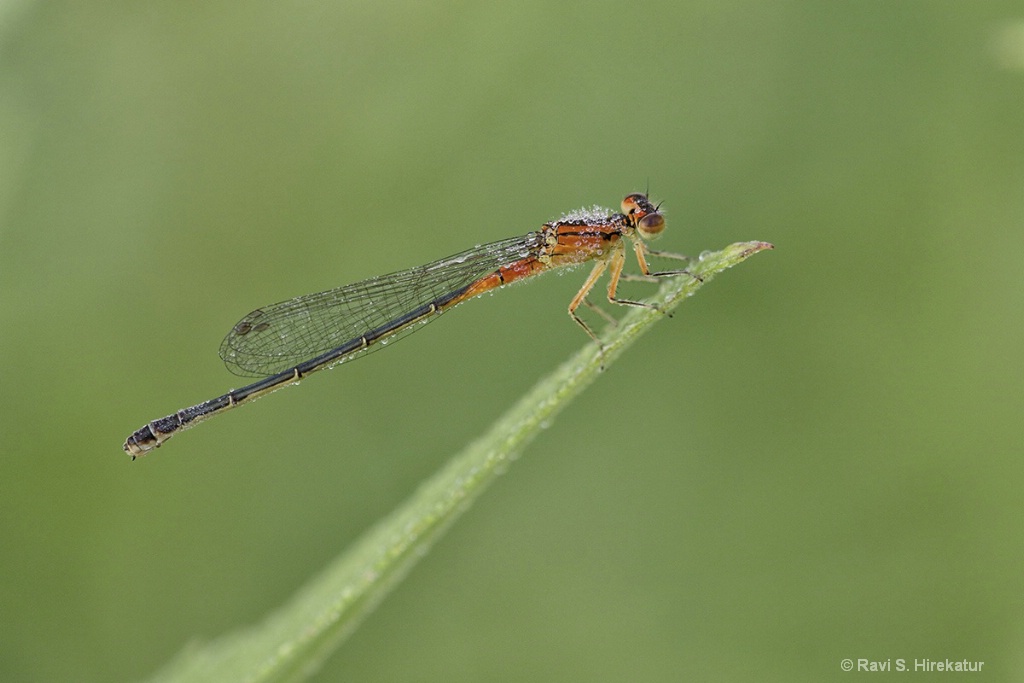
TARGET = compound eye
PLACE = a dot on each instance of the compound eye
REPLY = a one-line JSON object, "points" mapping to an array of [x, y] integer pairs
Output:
{"points": [[651, 225], [633, 203]]}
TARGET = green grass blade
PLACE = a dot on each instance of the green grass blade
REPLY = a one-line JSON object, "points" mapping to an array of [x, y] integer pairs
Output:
{"points": [[292, 642]]}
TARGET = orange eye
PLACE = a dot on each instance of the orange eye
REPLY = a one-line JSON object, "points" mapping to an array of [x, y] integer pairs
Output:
{"points": [[633, 203], [651, 225]]}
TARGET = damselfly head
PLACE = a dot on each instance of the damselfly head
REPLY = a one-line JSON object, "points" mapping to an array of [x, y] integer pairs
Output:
{"points": [[644, 215]]}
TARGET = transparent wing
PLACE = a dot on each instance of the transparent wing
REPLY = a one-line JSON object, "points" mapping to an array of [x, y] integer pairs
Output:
{"points": [[278, 337]]}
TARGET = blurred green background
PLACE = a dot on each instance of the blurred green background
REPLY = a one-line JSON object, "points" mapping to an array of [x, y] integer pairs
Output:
{"points": [[818, 457]]}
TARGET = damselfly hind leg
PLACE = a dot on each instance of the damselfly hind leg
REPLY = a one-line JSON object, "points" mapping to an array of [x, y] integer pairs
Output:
{"points": [[581, 298]]}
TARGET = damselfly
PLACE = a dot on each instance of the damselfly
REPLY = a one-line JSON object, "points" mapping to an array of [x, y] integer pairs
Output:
{"points": [[284, 342]]}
